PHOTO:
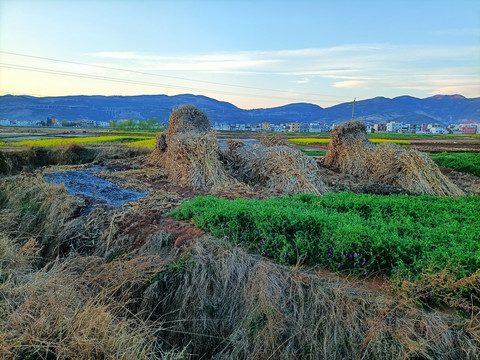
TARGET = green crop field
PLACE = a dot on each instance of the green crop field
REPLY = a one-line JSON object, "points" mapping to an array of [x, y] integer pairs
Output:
{"points": [[401, 236], [464, 162]]}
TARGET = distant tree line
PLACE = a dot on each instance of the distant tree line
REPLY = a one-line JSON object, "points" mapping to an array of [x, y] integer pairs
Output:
{"points": [[131, 125]]}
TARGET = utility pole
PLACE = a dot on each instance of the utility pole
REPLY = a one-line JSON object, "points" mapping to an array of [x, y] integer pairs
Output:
{"points": [[353, 107]]}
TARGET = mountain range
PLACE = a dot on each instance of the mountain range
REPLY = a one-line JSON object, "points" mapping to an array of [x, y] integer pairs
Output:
{"points": [[442, 109]]}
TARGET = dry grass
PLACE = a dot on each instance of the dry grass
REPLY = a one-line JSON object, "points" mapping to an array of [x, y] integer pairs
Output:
{"points": [[30, 207], [273, 139], [14, 161], [277, 167], [352, 152], [190, 154], [286, 313], [80, 308]]}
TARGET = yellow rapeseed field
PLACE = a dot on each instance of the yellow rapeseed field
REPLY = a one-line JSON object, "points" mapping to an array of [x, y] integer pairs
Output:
{"points": [[308, 141], [78, 140]]}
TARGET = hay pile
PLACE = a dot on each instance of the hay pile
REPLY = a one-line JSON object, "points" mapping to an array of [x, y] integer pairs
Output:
{"points": [[387, 163], [273, 139], [276, 167], [191, 156], [190, 151]]}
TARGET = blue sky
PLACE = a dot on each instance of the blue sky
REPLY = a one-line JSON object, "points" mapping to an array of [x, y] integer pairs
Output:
{"points": [[251, 53]]}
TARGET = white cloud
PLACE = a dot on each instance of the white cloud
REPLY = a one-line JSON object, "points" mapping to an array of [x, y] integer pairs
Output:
{"points": [[303, 81], [350, 84], [373, 68]]}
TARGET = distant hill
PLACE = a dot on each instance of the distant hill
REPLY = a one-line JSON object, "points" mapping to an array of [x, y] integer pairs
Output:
{"points": [[443, 109]]}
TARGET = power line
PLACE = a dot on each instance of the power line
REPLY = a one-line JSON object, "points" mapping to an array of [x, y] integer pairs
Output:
{"points": [[134, 82], [169, 76]]}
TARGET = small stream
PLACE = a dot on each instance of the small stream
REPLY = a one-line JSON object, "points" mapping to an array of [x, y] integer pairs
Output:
{"points": [[101, 191]]}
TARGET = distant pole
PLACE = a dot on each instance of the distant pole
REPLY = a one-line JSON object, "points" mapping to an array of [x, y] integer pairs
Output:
{"points": [[353, 107]]}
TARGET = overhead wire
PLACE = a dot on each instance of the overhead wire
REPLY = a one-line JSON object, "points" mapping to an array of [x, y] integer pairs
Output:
{"points": [[181, 78], [134, 82]]}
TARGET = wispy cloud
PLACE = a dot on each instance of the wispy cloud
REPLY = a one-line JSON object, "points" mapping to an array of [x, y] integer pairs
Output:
{"points": [[303, 81], [350, 84], [370, 68]]}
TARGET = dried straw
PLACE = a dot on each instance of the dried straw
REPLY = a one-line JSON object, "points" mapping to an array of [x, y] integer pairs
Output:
{"points": [[273, 139], [387, 163], [188, 119], [287, 313], [276, 167], [193, 161], [190, 151]]}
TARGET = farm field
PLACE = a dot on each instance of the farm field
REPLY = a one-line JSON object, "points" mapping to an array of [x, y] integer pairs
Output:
{"points": [[235, 271]]}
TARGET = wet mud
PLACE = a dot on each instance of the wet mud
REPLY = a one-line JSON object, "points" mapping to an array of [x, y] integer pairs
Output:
{"points": [[85, 183]]}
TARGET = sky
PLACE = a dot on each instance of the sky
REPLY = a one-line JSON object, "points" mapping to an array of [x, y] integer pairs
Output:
{"points": [[254, 54]]}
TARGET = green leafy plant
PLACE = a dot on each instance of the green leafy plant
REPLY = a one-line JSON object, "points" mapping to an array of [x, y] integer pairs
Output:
{"points": [[464, 162], [356, 234]]}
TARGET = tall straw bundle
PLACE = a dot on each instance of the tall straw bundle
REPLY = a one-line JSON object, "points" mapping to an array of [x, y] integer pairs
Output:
{"points": [[192, 160], [348, 148], [188, 119], [387, 163], [277, 167], [190, 152]]}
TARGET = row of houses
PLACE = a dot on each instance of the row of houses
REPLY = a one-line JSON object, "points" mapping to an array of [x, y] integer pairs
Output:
{"points": [[400, 127], [297, 127], [266, 126], [53, 122]]}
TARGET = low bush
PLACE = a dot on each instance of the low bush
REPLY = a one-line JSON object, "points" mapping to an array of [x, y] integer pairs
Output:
{"points": [[464, 162]]}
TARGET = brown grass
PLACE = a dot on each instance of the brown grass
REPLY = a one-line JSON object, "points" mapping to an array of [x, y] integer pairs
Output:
{"points": [[32, 208], [390, 164], [286, 313], [215, 301], [14, 161], [80, 308], [193, 161], [190, 152]]}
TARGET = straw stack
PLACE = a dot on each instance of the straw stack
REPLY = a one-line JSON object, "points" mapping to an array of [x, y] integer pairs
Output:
{"points": [[273, 139], [190, 152], [351, 152], [277, 167]]}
